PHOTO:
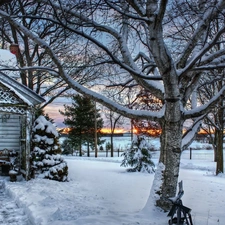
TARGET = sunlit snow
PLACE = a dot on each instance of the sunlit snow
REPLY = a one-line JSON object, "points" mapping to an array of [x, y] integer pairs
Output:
{"points": [[101, 192]]}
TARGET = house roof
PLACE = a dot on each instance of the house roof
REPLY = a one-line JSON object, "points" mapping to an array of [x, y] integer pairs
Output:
{"points": [[23, 92]]}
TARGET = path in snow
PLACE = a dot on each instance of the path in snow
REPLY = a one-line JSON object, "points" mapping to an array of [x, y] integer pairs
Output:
{"points": [[10, 213]]}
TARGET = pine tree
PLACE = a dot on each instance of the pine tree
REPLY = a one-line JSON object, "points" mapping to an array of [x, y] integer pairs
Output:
{"points": [[46, 159], [138, 157], [66, 148], [80, 117]]}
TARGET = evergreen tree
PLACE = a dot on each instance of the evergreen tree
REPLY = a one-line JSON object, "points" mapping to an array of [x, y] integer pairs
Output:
{"points": [[40, 112], [46, 159], [138, 157], [67, 149], [80, 118]]}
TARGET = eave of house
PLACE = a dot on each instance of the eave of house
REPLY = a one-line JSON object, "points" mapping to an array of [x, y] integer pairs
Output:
{"points": [[23, 92]]}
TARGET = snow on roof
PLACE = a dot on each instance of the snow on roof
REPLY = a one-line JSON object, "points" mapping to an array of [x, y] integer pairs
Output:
{"points": [[7, 61], [23, 92], [9, 79]]}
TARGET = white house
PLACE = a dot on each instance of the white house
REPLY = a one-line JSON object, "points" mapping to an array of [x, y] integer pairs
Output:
{"points": [[17, 105]]}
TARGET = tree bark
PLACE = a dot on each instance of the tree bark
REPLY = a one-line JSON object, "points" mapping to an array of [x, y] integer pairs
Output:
{"points": [[215, 145], [88, 149], [80, 148], [219, 149], [171, 139], [96, 137], [111, 140], [219, 146]]}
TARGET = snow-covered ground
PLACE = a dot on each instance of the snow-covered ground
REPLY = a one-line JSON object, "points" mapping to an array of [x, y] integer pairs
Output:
{"points": [[101, 192], [10, 213]]}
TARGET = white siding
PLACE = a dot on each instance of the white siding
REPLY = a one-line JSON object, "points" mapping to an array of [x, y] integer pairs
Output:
{"points": [[10, 132]]}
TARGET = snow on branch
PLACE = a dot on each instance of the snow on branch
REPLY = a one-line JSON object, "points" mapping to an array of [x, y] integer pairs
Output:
{"points": [[209, 67], [207, 18], [141, 114], [201, 53], [40, 68], [129, 66], [204, 109], [190, 134]]}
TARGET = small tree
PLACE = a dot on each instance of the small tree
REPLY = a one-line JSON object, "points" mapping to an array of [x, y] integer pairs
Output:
{"points": [[138, 157], [46, 159], [66, 147], [107, 147], [80, 117]]}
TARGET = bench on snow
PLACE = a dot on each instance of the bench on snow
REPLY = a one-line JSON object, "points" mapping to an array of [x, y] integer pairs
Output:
{"points": [[183, 213]]}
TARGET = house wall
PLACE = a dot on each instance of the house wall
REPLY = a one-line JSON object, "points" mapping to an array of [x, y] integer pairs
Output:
{"points": [[10, 131]]}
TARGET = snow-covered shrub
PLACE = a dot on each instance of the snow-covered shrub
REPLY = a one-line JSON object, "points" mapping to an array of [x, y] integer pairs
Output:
{"points": [[67, 148], [138, 156], [46, 159]]}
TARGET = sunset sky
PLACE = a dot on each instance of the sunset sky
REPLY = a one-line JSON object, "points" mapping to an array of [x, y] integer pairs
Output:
{"points": [[53, 111]]}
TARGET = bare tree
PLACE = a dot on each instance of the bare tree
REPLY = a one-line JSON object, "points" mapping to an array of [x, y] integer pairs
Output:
{"points": [[214, 121], [114, 119], [210, 84], [163, 46], [32, 58], [30, 55], [4, 2]]}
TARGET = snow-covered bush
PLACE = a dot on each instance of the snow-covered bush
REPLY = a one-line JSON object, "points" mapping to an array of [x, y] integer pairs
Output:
{"points": [[67, 148], [138, 157], [46, 159]]}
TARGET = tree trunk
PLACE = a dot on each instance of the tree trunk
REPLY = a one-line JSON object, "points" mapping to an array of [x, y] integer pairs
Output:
{"points": [[215, 145], [96, 137], [219, 144], [80, 149], [166, 177], [219, 147], [88, 149], [170, 156], [111, 140]]}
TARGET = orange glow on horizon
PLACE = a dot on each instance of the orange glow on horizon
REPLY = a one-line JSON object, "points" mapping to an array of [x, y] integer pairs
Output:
{"points": [[103, 130], [106, 130], [151, 132], [64, 130]]}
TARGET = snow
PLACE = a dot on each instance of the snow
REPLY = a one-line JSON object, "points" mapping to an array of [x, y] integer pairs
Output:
{"points": [[45, 158], [42, 124], [10, 213], [200, 110], [99, 191], [7, 61]]}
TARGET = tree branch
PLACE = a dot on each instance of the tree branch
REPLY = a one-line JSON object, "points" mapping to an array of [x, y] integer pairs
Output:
{"points": [[204, 109], [203, 25], [206, 48], [2, 2], [142, 114]]}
